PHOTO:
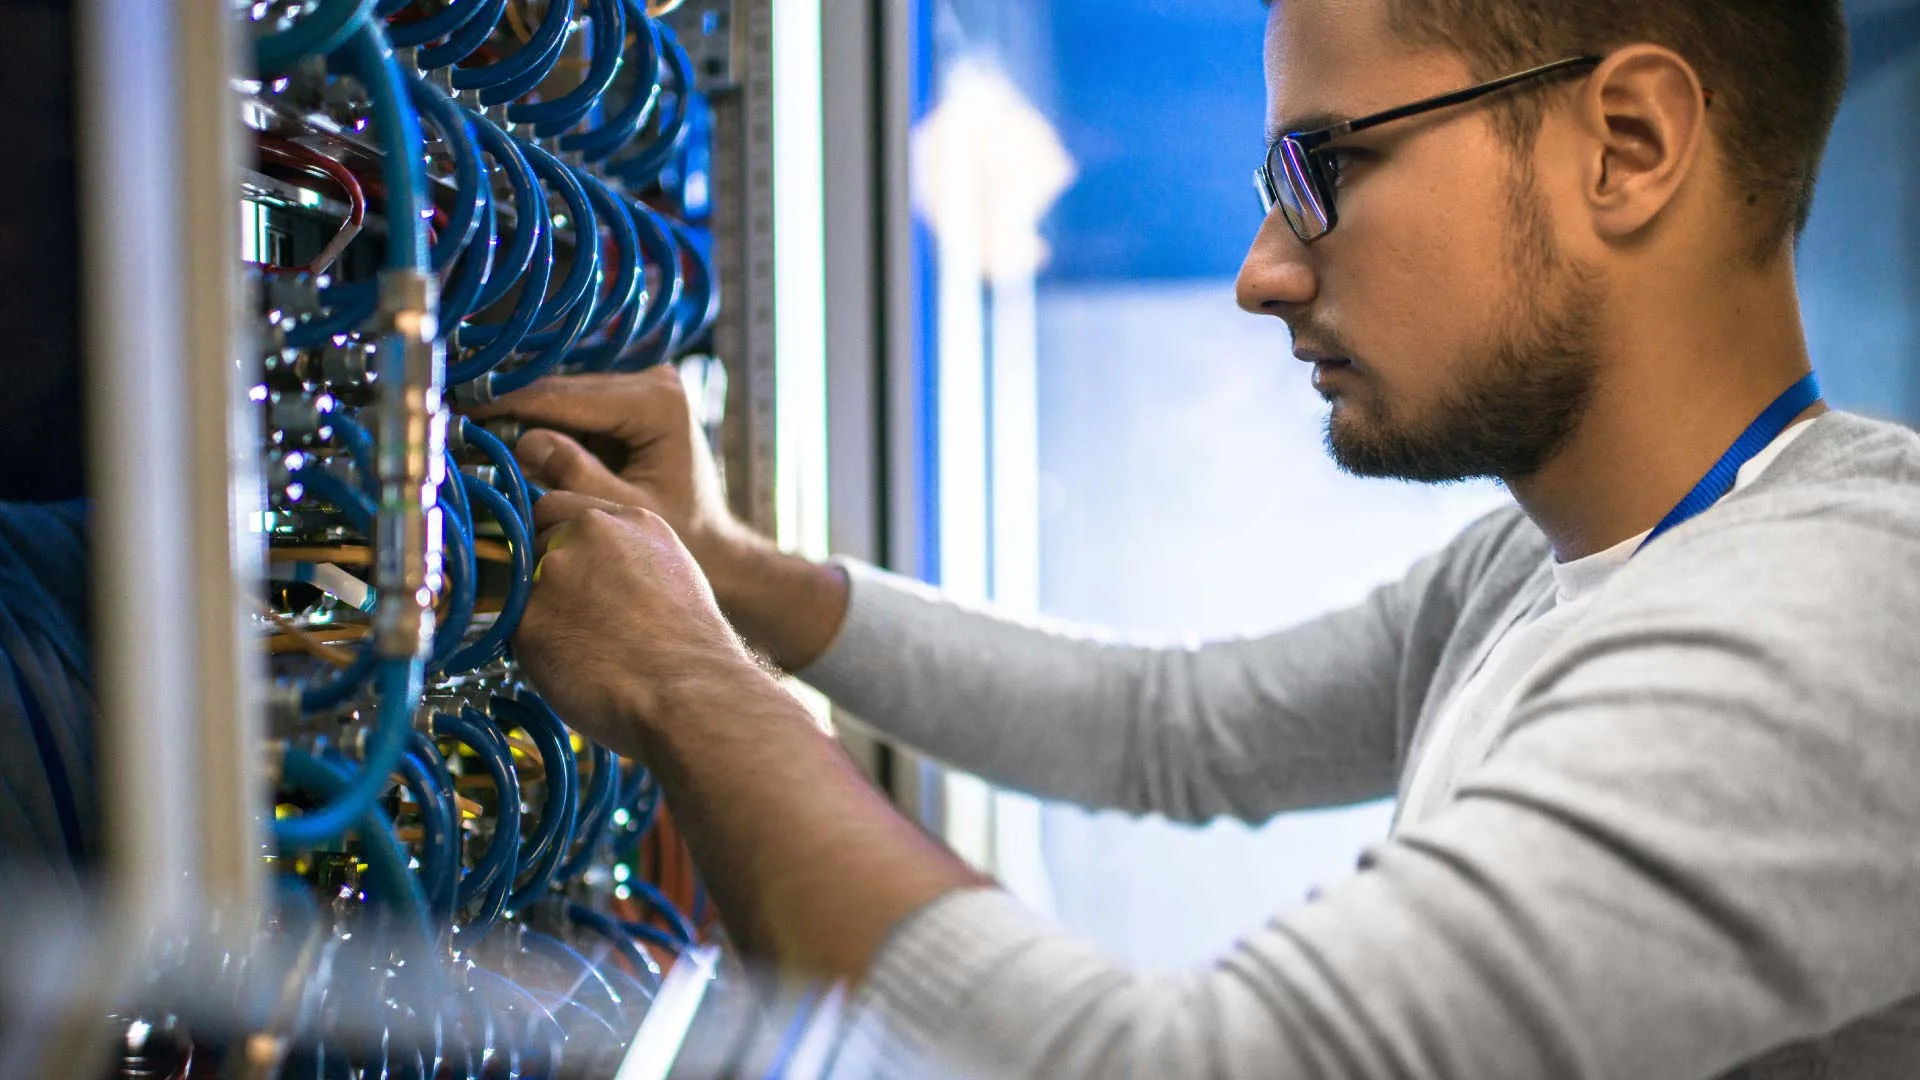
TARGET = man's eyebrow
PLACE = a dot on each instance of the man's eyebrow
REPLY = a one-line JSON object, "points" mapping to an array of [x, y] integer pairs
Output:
{"points": [[1309, 122]]}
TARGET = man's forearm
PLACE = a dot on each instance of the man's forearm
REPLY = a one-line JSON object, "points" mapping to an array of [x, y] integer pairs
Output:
{"points": [[787, 607], [810, 867]]}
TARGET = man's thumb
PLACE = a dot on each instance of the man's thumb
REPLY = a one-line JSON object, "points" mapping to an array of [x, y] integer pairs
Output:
{"points": [[557, 461]]}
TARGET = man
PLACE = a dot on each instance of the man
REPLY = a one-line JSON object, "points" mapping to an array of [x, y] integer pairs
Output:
{"points": [[1654, 729]]}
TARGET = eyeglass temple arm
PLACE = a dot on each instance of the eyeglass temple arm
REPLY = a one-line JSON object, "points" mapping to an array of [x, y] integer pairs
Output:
{"points": [[1457, 97]]}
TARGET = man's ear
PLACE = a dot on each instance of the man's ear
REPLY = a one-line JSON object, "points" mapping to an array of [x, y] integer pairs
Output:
{"points": [[1645, 114]]}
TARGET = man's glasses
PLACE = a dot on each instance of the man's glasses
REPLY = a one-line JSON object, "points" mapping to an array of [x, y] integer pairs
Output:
{"points": [[1297, 177]]}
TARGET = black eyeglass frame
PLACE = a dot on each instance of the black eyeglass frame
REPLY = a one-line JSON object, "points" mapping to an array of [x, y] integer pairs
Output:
{"points": [[1301, 154]]}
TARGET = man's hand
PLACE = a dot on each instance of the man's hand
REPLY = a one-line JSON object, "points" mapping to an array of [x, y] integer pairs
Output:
{"points": [[644, 425], [811, 867], [621, 621]]}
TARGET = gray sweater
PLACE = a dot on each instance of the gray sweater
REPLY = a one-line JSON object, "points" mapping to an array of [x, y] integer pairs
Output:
{"points": [[1692, 850]]}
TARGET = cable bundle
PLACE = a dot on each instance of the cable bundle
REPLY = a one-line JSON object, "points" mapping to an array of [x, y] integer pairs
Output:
{"points": [[525, 230]]}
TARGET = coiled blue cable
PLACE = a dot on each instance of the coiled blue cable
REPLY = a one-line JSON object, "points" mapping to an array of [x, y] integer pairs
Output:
{"points": [[659, 250], [435, 26], [529, 209], [700, 303], [541, 852], [505, 463], [531, 250], [609, 928], [469, 178], [640, 168], [386, 863], [321, 31], [574, 301], [535, 55], [615, 131], [492, 642], [358, 443], [403, 166], [463, 42], [596, 811], [605, 1000], [419, 770], [462, 571], [577, 286], [623, 293], [541, 1045], [473, 730], [400, 684], [608, 29], [461, 295], [683, 928], [367, 55]]}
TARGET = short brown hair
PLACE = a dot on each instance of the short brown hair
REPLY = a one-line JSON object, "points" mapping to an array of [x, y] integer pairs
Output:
{"points": [[1777, 69]]}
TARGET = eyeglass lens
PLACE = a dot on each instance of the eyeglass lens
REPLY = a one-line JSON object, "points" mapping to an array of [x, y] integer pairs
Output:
{"points": [[1300, 197]]}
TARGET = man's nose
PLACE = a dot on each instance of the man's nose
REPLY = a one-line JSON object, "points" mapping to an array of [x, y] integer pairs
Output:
{"points": [[1277, 277]]}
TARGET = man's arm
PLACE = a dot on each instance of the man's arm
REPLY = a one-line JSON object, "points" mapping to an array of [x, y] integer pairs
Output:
{"points": [[1309, 716], [1694, 844]]}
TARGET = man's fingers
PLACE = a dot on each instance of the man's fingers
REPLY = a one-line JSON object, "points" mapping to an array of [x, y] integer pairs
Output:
{"points": [[563, 507], [557, 461], [620, 404]]}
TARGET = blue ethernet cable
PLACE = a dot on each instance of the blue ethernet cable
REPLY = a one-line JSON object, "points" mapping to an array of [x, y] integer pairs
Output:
{"points": [[702, 306], [356, 504], [319, 32], [521, 85], [659, 250], [367, 55], [683, 929], [493, 641], [624, 293], [531, 251], [403, 167], [433, 27], [606, 926], [353, 302], [462, 572], [596, 811], [608, 32], [472, 729], [541, 1044], [439, 846], [463, 42], [577, 286], [358, 443], [469, 177], [460, 297], [615, 131], [536, 54], [503, 461], [581, 972], [529, 209], [392, 883], [640, 168], [541, 852], [553, 346], [400, 684]]}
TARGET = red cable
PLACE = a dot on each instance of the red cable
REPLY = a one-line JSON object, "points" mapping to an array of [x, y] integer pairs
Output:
{"points": [[314, 163]]}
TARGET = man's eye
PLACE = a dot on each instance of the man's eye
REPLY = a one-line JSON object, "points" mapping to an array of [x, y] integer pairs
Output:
{"points": [[1336, 163]]}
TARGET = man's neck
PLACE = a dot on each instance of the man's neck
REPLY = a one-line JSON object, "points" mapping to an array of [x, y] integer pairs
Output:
{"points": [[1671, 402]]}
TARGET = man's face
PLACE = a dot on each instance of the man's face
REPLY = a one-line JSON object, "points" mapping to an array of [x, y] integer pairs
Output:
{"points": [[1448, 332]]}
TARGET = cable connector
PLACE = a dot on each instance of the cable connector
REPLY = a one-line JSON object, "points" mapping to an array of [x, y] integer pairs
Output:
{"points": [[410, 371]]}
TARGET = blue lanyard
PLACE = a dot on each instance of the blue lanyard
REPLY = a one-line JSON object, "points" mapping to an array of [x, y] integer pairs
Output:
{"points": [[1719, 480]]}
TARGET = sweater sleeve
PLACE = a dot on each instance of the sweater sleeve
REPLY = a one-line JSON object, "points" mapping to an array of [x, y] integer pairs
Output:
{"points": [[1693, 845], [1308, 716]]}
